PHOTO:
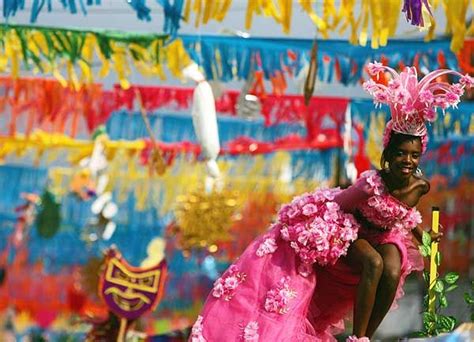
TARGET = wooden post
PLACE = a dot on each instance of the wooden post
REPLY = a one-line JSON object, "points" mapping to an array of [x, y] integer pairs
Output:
{"points": [[123, 330], [433, 265]]}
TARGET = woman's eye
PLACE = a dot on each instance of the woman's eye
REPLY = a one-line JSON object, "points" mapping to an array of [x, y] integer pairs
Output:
{"points": [[416, 156], [399, 154]]}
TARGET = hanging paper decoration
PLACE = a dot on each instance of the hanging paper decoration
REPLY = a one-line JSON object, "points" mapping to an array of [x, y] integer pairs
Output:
{"points": [[204, 119], [229, 58], [414, 10], [457, 20], [46, 104], [49, 50], [203, 220], [281, 13], [206, 10], [48, 220], [10, 7], [172, 10], [128, 291]]}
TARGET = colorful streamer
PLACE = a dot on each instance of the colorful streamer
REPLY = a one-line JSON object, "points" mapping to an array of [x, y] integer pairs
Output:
{"points": [[172, 10], [10, 7], [229, 58], [50, 50]]}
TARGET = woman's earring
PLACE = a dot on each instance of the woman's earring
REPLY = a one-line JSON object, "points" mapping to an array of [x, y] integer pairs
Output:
{"points": [[418, 172]]}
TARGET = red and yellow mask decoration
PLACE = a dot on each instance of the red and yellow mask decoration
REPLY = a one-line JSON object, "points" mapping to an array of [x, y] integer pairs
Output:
{"points": [[130, 291]]}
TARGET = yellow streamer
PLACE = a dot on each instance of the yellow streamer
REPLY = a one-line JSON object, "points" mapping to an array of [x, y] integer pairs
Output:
{"points": [[177, 57], [456, 11], [317, 20], [206, 10]]}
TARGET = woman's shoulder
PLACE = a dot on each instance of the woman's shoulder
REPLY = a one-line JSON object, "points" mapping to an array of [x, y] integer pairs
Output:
{"points": [[422, 183]]}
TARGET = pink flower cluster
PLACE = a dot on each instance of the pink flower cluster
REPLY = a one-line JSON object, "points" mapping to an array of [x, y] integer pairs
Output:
{"points": [[317, 229], [251, 332], [196, 331], [278, 298], [266, 247], [385, 211], [226, 285]]}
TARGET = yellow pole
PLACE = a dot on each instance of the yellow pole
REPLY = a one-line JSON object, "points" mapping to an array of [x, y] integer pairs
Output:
{"points": [[433, 266], [123, 330]]}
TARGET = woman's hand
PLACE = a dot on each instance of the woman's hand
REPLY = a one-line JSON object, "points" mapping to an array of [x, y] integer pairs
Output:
{"points": [[436, 237]]}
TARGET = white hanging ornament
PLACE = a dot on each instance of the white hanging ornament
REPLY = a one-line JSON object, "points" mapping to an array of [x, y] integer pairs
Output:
{"points": [[204, 118]]}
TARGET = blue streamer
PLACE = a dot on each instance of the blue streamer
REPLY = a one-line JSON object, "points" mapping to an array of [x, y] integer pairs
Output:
{"points": [[179, 127], [140, 7], [237, 54], [10, 7], [173, 15]]}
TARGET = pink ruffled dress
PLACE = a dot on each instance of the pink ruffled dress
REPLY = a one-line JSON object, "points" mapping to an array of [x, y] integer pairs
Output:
{"points": [[290, 284]]}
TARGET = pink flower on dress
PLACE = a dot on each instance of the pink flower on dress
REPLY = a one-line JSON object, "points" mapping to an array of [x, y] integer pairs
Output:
{"points": [[374, 180], [386, 212], [412, 219], [311, 236], [196, 331], [225, 286], [266, 247], [251, 332], [310, 209], [278, 298]]}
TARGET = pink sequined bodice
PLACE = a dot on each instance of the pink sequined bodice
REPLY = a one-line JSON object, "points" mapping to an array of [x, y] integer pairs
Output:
{"points": [[384, 210]]}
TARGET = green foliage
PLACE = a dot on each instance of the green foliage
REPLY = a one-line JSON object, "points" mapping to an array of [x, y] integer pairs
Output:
{"points": [[426, 239], [435, 323], [469, 299]]}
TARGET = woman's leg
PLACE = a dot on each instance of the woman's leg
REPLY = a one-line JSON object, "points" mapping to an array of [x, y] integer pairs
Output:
{"points": [[363, 256], [387, 286]]}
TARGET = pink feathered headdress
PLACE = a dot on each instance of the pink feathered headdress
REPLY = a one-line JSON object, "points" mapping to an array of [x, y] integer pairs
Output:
{"points": [[414, 102]]}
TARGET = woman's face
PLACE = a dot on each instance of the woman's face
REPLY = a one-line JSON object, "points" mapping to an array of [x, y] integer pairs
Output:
{"points": [[405, 159]]}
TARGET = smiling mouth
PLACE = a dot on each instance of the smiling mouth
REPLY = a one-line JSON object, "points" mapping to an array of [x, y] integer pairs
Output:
{"points": [[406, 170]]}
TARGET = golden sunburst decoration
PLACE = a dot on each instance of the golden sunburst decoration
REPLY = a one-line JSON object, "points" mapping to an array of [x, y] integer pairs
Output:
{"points": [[204, 218]]}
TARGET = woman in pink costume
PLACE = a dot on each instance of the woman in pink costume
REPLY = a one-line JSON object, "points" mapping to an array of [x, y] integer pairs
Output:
{"points": [[332, 252]]}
